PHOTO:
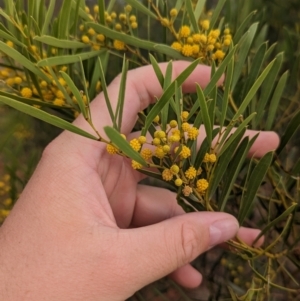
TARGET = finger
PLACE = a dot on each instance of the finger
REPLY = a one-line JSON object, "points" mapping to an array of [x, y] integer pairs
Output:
{"points": [[173, 243], [187, 276], [142, 87], [154, 205]]}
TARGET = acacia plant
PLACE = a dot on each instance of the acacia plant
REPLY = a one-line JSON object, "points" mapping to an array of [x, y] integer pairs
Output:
{"points": [[52, 66]]}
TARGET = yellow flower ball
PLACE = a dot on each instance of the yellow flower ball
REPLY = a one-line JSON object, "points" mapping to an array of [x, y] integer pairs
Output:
{"points": [[132, 18], [205, 24], [178, 182], [185, 126], [191, 173], [26, 92], [118, 26], [185, 152], [85, 39], [135, 144], [165, 22], [91, 32], [167, 175], [159, 152], [136, 165], [119, 45], [196, 49], [173, 123], [173, 12], [100, 37], [219, 55], [96, 9], [134, 25], [184, 31], [111, 149], [156, 119], [187, 50], [193, 133], [177, 46], [142, 139], [202, 185], [184, 115], [59, 102], [18, 80], [146, 153], [174, 169]]}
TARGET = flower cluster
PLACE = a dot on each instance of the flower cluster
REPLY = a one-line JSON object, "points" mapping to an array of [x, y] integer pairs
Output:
{"points": [[170, 152], [207, 44]]}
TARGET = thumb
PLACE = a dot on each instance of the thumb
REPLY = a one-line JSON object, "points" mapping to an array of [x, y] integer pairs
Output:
{"points": [[162, 248]]}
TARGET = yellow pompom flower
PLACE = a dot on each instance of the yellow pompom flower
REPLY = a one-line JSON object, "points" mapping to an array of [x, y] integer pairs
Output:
{"points": [[128, 8], [118, 26], [26, 92], [193, 133], [174, 169], [215, 33], [185, 126], [142, 139], [187, 190], [112, 150], [119, 45], [203, 38], [167, 174], [177, 46], [173, 12], [190, 40], [226, 42], [204, 24], [212, 158], [146, 153], [226, 31], [210, 47], [156, 141], [122, 17], [100, 37], [156, 119], [196, 37], [202, 185], [59, 94], [10, 81], [10, 44], [85, 39], [159, 152], [96, 9], [219, 55], [178, 182], [113, 15], [134, 25], [59, 102], [191, 173], [132, 18], [176, 132], [187, 50], [196, 49], [136, 165], [91, 32], [206, 158], [184, 31], [135, 144], [166, 148], [185, 152], [184, 115], [173, 123], [174, 138]]}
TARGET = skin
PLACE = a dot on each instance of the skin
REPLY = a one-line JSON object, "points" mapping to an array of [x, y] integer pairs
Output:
{"points": [[84, 229]]}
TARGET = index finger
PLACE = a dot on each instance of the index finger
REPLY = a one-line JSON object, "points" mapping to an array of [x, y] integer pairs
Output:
{"points": [[142, 88]]}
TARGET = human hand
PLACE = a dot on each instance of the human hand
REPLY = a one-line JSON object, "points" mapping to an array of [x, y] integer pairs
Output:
{"points": [[84, 229]]}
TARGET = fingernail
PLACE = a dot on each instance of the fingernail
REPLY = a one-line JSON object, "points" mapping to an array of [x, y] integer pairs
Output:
{"points": [[222, 230]]}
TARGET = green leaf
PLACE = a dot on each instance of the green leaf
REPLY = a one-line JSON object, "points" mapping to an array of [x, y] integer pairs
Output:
{"points": [[123, 145], [10, 37], [204, 113], [22, 60], [101, 4], [75, 92], [190, 11], [289, 132], [105, 92], [172, 53], [242, 28], [242, 52], [157, 70], [216, 13], [39, 114], [139, 6], [227, 91], [121, 96], [222, 164], [49, 15], [253, 90], [199, 8], [219, 72], [64, 19], [253, 185], [234, 168], [267, 86], [256, 65], [275, 100], [167, 95], [68, 59], [59, 43]]}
